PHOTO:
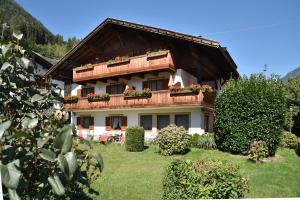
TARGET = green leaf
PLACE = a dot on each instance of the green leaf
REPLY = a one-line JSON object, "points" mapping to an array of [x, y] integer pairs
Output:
{"points": [[3, 127], [42, 141], [29, 123], [24, 62], [47, 155], [99, 159], [12, 194], [18, 36], [36, 97], [5, 48], [63, 140], [6, 65], [10, 176], [31, 115], [57, 186], [68, 164]]}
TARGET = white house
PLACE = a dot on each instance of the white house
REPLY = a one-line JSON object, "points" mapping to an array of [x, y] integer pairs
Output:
{"points": [[141, 75]]}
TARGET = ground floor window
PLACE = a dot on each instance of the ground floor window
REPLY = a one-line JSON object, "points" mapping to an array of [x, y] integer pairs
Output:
{"points": [[146, 122], [163, 121], [182, 120], [85, 122], [116, 122]]}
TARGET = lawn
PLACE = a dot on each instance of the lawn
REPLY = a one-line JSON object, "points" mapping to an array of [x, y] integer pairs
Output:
{"points": [[138, 175]]}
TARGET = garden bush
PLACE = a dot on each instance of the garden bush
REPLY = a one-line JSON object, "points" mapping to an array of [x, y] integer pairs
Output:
{"points": [[195, 139], [204, 141], [288, 140], [258, 151], [203, 179], [134, 140], [173, 140], [298, 148], [250, 109]]}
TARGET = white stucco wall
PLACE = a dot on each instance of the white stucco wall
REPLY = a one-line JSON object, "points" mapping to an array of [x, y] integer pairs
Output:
{"points": [[133, 116], [184, 78]]}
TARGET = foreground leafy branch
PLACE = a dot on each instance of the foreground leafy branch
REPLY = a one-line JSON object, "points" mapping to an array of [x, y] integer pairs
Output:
{"points": [[39, 158]]}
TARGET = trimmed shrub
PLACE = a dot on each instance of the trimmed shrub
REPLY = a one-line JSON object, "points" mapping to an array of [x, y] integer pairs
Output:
{"points": [[205, 141], [134, 140], [258, 151], [297, 150], [250, 109], [195, 139], [288, 140], [203, 179], [173, 140]]}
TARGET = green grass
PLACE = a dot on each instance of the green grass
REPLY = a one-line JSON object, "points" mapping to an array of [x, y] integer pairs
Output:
{"points": [[130, 175]]}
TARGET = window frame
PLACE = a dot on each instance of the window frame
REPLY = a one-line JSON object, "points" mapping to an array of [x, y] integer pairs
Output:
{"points": [[141, 121], [157, 116], [110, 86], [188, 117]]}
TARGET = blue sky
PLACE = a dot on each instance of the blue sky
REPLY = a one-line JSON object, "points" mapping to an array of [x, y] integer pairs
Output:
{"points": [[256, 32]]}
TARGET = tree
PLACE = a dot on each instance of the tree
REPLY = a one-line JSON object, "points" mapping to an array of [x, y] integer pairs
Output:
{"points": [[38, 157], [250, 109], [292, 94]]}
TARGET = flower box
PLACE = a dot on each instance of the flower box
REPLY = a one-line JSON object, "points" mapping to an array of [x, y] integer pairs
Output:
{"points": [[133, 94], [118, 60], [84, 68], [153, 54], [70, 99], [98, 97]]}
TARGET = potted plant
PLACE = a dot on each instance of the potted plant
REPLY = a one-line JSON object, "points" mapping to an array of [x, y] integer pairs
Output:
{"points": [[133, 94], [156, 53], [98, 97], [118, 60]]}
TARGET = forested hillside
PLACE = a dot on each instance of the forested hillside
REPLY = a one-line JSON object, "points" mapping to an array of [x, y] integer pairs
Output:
{"points": [[36, 35], [292, 74]]}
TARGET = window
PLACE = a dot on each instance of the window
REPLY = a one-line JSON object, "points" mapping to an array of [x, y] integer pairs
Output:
{"points": [[206, 123], [182, 120], [87, 90], [116, 123], [85, 122], [146, 122], [115, 89], [67, 89], [163, 121], [155, 85]]}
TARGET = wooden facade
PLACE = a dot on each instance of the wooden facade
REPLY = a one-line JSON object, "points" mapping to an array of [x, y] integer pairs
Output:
{"points": [[158, 99], [132, 65]]}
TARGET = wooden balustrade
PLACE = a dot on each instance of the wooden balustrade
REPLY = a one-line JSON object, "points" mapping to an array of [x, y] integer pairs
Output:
{"points": [[136, 64], [158, 99]]}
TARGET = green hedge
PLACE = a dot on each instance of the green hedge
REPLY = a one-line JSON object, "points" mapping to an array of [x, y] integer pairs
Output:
{"points": [[134, 140], [250, 109], [209, 179]]}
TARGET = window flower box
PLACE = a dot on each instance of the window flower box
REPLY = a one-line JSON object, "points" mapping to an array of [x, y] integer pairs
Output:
{"points": [[193, 89], [133, 94], [118, 60], [70, 99], [156, 53], [84, 68], [98, 97]]}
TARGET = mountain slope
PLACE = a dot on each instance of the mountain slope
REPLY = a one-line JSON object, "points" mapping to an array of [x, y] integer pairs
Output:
{"points": [[291, 74], [36, 35]]}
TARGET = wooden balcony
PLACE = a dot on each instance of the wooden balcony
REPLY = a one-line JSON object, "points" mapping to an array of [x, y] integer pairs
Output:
{"points": [[158, 99], [136, 64]]}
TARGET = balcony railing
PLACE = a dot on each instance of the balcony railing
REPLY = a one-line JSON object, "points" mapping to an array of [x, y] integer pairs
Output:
{"points": [[158, 99], [136, 64]]}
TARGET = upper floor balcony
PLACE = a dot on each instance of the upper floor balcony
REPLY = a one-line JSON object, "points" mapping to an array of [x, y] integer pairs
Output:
{"points": [[156, 99], [151, 61]]}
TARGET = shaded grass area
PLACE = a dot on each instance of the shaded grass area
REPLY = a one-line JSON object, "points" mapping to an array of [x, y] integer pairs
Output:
{"points": [[138, 175]]}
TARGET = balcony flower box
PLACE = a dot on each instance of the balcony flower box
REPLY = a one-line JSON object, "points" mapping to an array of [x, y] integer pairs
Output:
{"points": [[70, 99], [98, 97], [133, 94], [84, 68], [153, 54], [118, 60], [193, 89]]}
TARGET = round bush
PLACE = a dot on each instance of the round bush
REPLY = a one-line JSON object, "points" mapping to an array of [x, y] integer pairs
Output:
{"points": [[288, 140], [203, 180], [258, 151], [134, 140], [250, 109], [173, 140]]}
